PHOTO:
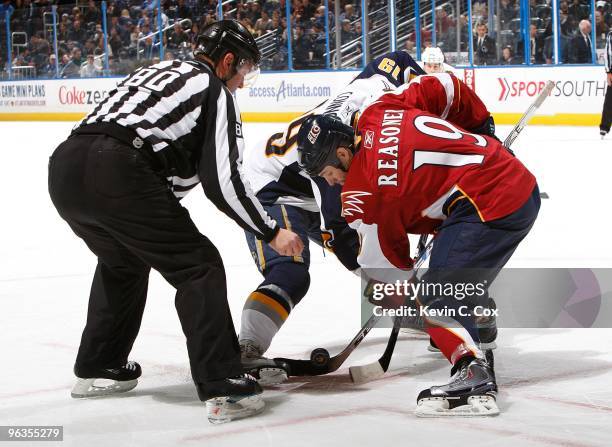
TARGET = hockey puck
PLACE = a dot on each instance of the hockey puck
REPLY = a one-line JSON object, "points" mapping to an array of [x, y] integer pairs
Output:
{"points": [[319, 357]]}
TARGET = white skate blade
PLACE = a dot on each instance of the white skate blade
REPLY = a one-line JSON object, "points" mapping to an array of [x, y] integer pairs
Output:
{"points": [[225, 409], [85, 388], [271, 376], [477, 406], [366, 373]]}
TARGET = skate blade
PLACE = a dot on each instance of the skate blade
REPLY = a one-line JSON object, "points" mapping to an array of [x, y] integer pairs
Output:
{"points": [[477, 406], [271, 376], [221, 410], [483, 346], [85, 388]]}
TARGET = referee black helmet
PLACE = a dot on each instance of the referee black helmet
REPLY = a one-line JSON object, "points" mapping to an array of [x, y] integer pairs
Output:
{"points": [[228, 36]]}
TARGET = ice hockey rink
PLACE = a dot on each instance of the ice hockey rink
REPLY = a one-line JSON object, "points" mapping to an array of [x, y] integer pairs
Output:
{"points": [[555, 384]]}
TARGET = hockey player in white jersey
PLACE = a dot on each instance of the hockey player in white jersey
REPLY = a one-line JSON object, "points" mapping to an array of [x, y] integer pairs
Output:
{"points": [[310, 208]]}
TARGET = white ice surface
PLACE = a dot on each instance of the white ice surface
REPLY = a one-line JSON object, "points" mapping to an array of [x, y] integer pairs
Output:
{"points": [[555, 384]]}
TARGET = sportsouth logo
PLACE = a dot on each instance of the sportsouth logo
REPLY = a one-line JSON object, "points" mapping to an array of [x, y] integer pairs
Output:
{"points": [[519, 88], [314, 133], [368, 139], [351, 202]]}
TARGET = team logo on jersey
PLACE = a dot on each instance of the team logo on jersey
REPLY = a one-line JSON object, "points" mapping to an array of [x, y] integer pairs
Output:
{"points": [[239, 130], [351, 202], [314, 133], [368, 139]]}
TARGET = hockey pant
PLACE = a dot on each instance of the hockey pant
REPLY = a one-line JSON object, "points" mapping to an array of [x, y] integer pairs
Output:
{"points": [[114, 199], [286, 278], [469, 251]]}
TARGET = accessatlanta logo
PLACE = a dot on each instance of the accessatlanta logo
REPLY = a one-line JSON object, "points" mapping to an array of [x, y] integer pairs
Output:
{"points": [[518, 89]]}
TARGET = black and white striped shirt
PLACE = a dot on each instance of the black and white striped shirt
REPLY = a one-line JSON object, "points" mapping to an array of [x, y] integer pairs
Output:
{"points": [[192, 122], [608, 53]]}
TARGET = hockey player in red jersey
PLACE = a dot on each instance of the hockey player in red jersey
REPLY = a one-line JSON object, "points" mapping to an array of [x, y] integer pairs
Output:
{"points": [[412, 169]]}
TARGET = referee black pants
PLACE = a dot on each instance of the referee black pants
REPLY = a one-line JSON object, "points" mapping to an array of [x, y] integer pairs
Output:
{"points": [[606, 114], [113, 198]]}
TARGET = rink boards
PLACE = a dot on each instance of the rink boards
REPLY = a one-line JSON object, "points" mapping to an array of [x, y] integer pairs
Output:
{"points": [[577, 98]]}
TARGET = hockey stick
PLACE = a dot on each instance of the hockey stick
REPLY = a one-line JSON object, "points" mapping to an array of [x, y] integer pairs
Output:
{"points": [[372, 371], [320, 362], [518, 128]]}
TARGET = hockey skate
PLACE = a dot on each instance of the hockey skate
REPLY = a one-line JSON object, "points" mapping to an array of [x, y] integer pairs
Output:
{"points": [[89, 381], [471, 392], [266, 371], [230, 399]]}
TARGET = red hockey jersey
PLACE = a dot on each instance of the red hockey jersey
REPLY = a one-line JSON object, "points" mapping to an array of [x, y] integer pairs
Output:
{"points": [[411, 161]]}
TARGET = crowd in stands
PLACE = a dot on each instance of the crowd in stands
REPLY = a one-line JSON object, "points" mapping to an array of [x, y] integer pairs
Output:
{"points": [[133, 36], [504, 45]]}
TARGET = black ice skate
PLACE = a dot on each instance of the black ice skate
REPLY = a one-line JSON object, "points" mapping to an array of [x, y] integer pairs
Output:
{"points": [[266, 371], [230, 399], [94, 382], [471, 392]]}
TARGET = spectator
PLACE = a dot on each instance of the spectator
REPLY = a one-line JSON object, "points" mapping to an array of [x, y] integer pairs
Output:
{"points": [[177, 37], [319, 17], [89, 69], [581, 47], [308, 10], [566, 22], [72, 64], [484, 46], [357, 29], [346, 34], [164, 19], [254, 11], [77, 33], [444, 23], [536, 47], [348, 14], [114, 41], [144, 19], [508, 11], [263, 24], [303, 49], [47, 70], [182, 11], [92, 14], [601, 29], [578, 11], [508, 56], [147, 50]]}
